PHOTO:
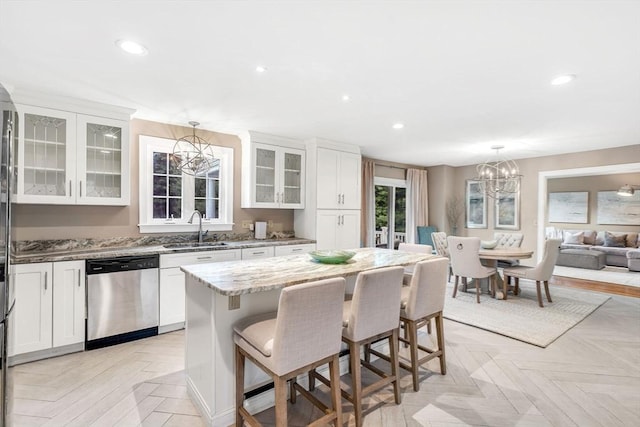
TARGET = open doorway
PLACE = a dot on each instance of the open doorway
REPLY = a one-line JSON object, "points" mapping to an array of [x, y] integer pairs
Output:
{"points": [[391, 212]]}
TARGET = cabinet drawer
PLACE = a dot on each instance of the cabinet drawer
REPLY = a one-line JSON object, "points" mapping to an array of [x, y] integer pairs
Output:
{"points": [[199, 257], [294, 249], [254, 253]]}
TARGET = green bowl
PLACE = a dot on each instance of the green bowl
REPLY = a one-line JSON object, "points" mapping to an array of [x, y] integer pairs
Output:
{"points": [[332, 257]]}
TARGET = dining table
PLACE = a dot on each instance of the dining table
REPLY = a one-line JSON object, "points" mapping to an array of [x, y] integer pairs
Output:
{"points": [[491, 258]]}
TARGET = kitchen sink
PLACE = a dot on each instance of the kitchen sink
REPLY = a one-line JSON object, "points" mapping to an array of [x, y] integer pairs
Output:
{"points": [[194, 245]]}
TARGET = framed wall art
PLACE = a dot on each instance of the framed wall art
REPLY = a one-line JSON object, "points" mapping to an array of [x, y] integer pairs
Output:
{"points": [[507, 211], [569, 206], [618, 210], [475, 205]]}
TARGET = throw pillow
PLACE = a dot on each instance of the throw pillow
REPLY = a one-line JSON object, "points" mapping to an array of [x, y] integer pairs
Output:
{"points": [[614, 241], [574, 238]]}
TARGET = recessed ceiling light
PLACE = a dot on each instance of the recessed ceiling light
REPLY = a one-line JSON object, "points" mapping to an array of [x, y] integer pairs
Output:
{"points": [[132, 47], [398, 125], [261, 69], [346, 98], [564, 79]]}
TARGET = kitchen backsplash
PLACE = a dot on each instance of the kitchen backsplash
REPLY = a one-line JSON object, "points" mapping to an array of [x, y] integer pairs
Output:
{"points": [[24, 247]]}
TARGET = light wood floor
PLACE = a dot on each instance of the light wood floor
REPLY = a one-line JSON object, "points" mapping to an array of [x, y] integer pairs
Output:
{"points": [[588, 377]]}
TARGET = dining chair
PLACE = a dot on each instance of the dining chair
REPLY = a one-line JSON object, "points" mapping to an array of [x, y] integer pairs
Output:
{"points": [[370, 316], [304, 333], [542, 272], [420, 302], [442, 247], [505, 241], [465, 263]]}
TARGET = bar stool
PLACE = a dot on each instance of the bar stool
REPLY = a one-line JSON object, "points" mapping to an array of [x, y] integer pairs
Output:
{"points": [[304, 334], [372, 315], [422, 301]]}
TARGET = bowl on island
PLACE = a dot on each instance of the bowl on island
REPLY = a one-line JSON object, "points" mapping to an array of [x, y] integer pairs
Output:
{"points": [[331, 256]]}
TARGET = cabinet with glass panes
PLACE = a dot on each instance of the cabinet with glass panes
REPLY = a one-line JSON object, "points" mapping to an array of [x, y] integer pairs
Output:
{"points": [[275, 173], [64, 156]]}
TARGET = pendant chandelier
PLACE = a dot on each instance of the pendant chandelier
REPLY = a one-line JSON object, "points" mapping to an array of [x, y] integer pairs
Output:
{"points": [[192, 154], [500, 176]]}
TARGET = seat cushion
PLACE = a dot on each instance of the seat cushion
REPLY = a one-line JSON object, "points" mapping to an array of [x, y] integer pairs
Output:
{"points": [[258, 331]]}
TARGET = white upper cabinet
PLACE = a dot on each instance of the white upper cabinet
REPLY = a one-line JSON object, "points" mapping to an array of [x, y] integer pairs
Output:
{"points": [[273, 172], [338, 179], [65, 156]]}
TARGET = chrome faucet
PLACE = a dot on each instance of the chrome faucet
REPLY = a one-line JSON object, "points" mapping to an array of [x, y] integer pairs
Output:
{"points": [[199, 223]]}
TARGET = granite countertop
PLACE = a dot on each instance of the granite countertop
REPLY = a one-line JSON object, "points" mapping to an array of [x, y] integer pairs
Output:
{"points": [[98, 253], [233, 278]]}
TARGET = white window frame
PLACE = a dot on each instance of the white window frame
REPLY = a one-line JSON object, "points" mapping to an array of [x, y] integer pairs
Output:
{"points": [[149, 144]]}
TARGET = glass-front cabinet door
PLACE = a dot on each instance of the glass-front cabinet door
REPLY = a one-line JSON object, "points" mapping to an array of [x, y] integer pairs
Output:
{"points": [[45, 159], [292, 179], [265, 173], [102, 155], [278, 177]]}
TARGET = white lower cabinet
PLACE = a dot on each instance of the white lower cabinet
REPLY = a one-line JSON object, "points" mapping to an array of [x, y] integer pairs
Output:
{"points": [[68, 302], [255, 253], [172, 283], [49, 306], [338, 229]]}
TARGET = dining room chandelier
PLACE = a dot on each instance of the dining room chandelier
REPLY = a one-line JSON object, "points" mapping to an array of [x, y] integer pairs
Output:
{"points": [[500, 176], [192, 154]]}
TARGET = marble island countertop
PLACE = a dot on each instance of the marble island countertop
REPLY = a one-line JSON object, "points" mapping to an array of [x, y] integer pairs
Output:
{"points": [[234, 278], [81, 253]]}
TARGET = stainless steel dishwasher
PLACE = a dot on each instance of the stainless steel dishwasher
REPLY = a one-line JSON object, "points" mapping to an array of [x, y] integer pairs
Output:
{"points": [[122, 300]]}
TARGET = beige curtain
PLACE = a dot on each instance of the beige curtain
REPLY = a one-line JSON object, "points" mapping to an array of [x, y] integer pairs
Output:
{"points": [[417, 202], [368, 216]]}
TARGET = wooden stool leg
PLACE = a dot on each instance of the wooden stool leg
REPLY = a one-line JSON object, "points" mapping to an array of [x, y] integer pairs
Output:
{"points": [[280, 385], [312, 380], [413, 337], [239, 385], [292, 390], [336, 401], [516, 288], [477, 289], [429, 326], [395, 364], [440, 331], [356, 381], [539, 293], [546, 290]]}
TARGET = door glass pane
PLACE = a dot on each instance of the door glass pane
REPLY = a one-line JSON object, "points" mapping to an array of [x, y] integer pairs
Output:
{"points": [[265, 176], [383, 202], [44, 157], [103, 157], [400, 214]]}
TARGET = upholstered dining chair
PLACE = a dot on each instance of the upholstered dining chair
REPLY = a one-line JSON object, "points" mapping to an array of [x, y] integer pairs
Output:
{"points": [[465, 263], [370, 316], [542, 272], [505, 241], [442, 247], [422, 301], [304, 333]]}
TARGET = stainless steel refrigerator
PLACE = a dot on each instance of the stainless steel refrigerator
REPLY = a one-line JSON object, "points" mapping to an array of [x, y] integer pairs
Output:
{"points": [[9, 123]]}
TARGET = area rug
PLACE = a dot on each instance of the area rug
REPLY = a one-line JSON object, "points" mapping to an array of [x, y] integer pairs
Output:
{"points": [[520, 317]]}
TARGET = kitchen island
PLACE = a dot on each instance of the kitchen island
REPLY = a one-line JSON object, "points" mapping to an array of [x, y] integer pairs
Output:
{"points": [[218, 295]]}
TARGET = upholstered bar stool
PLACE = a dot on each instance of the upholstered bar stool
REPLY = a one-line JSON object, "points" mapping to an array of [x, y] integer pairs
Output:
{"points": [[422, 301], [465, 263], [370, 316], [412, 247], [304, 334]]}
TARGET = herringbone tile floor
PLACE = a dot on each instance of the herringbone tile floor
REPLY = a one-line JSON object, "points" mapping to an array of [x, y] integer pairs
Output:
{"points": [[589, 377]]}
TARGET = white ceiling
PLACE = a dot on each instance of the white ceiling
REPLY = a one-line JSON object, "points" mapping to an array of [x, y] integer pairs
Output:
{"points": [[461, 75]]}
